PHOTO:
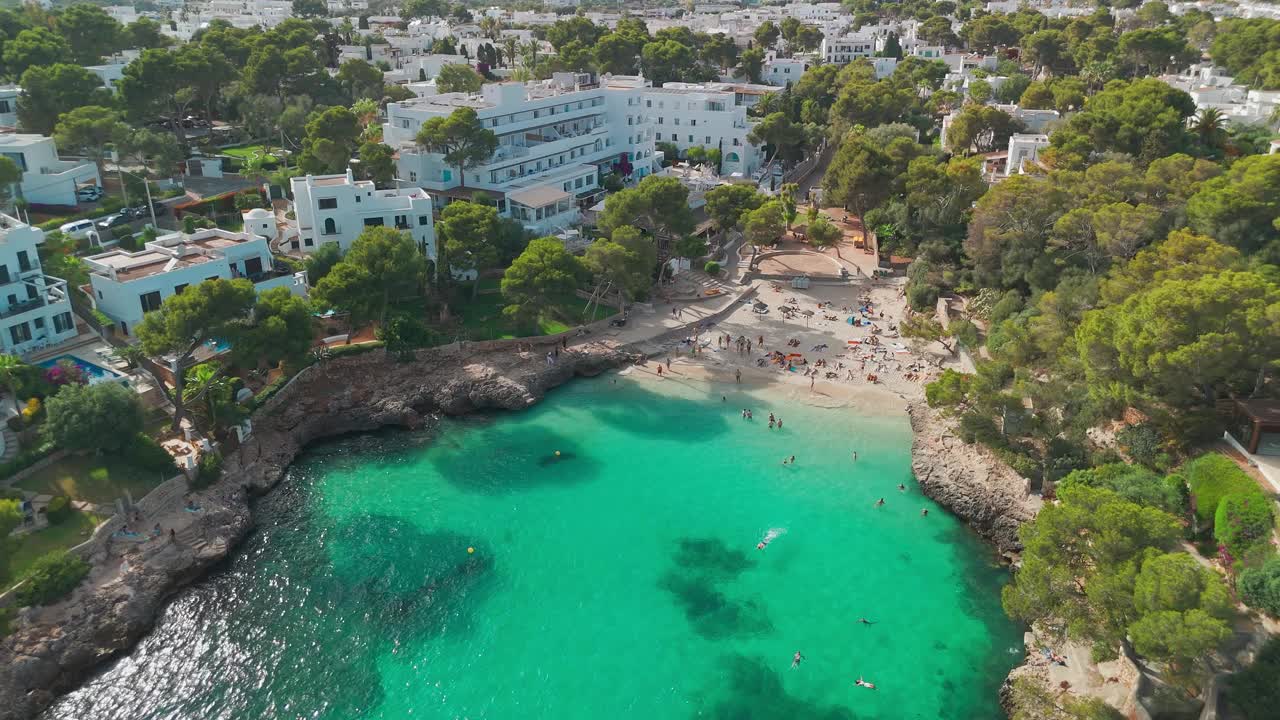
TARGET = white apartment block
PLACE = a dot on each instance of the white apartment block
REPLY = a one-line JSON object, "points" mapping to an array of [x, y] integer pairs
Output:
{"points": [[9, 105], [337, 208], [556, 139], [127, 285], [1210, 87], [46, 180], [35, 309], [1035, 122], [712, 115], [844, 50], [110, 74]]}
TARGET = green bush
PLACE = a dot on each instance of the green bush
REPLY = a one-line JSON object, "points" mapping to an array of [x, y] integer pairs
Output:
{"points": [[950, 389], [1254, 691], [1212, 477], [51, 578], [1131, 482], [358, 349], [1243, 519], [712, 268], [26, 459], [147, 454], [1143, 443], [1260, 587], [209, 469], [271, 389], [922, 296], [59, 510]]}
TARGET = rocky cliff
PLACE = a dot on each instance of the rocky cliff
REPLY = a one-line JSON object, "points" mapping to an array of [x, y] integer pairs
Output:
{"points": [[55, 648], [967, 480]]}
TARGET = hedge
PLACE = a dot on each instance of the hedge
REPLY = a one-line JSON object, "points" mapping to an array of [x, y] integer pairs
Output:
{"points": [[58, 510], [26, 459], [1212, 477], [357, 349], [51, 577], [1260, 587], [1254, 692]]}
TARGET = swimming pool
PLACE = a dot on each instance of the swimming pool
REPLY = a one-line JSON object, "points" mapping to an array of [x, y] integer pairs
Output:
{"points": [[95, 373]]}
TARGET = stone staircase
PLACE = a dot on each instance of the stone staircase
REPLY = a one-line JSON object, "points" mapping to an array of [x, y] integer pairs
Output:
{"points": [[191, 537], [10, 444], [695, 284]]}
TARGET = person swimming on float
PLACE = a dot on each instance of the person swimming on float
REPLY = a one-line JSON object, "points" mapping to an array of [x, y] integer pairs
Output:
{"points": [[768, 538], [865, 684], [795, 661]]}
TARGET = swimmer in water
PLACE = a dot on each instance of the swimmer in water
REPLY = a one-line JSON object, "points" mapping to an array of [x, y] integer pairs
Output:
{"points": [[924, 512], [902, 488], [865, 684], [768, 538], [795, 661], [855, 455], [880, 502], [865, 621]]}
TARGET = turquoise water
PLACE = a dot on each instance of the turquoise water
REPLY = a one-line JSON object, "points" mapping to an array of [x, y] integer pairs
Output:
{"points": [[619, 581]]}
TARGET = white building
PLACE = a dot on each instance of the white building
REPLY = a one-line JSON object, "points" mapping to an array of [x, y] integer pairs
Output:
{"points": [[556, 139], [711, 115], [35, 309], [9, 105], [337, 208], [46, 180], [844, 50], [783, 71], [1210, 88], [127, 285], [1024, 149], [110, 74]]}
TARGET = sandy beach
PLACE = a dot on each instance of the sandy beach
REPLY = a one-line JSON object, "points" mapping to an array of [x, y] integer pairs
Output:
{"points": [[808, 336]]}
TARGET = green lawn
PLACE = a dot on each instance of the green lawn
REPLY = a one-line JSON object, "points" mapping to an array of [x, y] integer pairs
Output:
{"points": [[97, 479], [246, 152], [483, 318], [28, 548]]}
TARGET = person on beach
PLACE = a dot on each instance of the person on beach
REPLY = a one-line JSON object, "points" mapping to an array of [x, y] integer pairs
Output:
{"points": [[865, 684], [737, 376], [659, 371], [795, 661], [668, 362]]}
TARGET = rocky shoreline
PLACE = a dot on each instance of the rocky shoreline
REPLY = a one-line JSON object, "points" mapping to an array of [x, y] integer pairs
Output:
{"points": [[969, 481], [54, 649]]}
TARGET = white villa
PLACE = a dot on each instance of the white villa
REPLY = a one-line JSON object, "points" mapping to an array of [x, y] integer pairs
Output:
{"points": [[126, 285], [35, 309], [46, 180], [337, 208]]}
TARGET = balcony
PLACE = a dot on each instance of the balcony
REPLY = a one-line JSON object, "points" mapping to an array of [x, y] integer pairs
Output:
{"points": [[49, 291], [23, 307]]}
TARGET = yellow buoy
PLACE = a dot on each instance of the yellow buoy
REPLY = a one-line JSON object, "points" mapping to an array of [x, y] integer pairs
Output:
{"points": [[470, 550]]}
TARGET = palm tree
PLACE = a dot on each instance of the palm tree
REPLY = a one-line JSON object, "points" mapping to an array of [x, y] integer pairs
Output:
{"points": [[490, 27], [11, 369], [531, 54], [511, 47], [206, 380], [1209, 124]]}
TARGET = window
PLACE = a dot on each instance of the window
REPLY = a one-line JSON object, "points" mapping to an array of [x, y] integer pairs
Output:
{"points": [[446, 175], [693, 122], [5, 107], [404, 123], [39, 323], [308, 242], [708, 140], [424, 220], [413, 176], [253, 266], [660, 119], [629, 121], [735, 142], [150, 301], [676, 121], [568, 187], [690, 138], [4, 274], [20, 333], [62, 322], [402, 222], [328, 203], [18, 158], [330, 227], [373, 222], [576, 183], [357, 198], [648, 103], [24, 262], [177, 289]]}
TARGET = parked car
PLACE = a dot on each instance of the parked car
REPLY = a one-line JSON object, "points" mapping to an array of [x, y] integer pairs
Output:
{"points": [[88, 194], [142, 212], [77, 229], [115, 220]]}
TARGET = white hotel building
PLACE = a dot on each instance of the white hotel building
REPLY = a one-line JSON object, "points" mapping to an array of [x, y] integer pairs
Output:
{"points": [[35, 309], [337, 208], [558, 138]]}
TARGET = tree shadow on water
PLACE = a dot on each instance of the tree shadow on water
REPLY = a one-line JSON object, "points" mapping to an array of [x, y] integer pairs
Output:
{"points": [[510, 457], [712, 556], [641, 412], [713, 614], [751, 690]]}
